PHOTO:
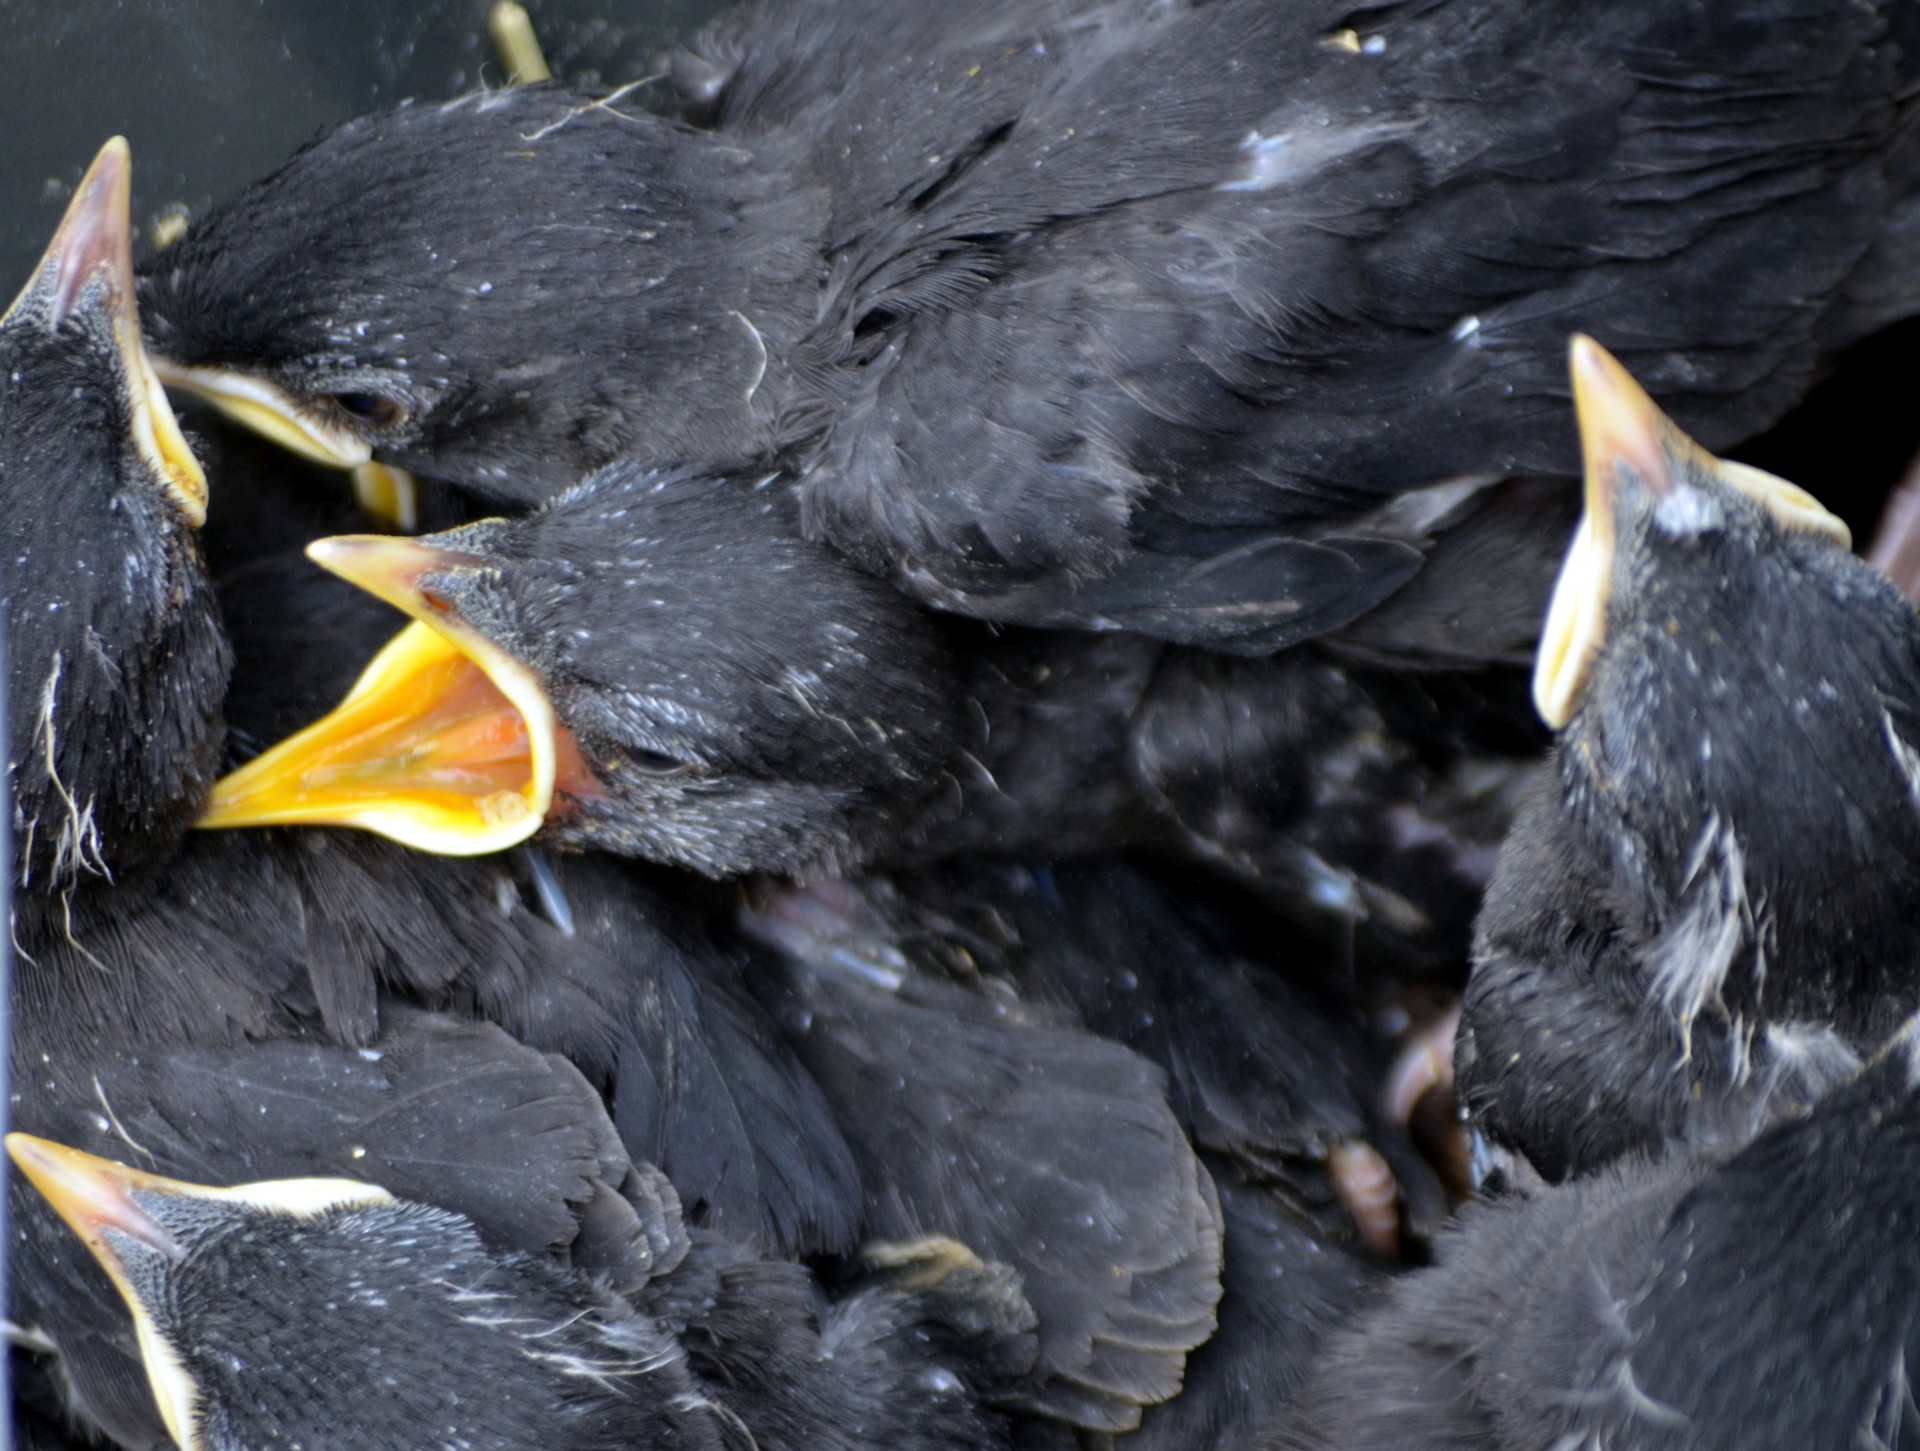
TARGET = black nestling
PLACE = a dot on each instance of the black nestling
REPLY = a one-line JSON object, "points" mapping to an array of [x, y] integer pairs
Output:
{"points": [[251, 936], [579, 669], [1691, 1303], [446, 346], [449, 1111], [1705, 904], [1153, 317], [767, 723], [116, 662], [330, 1312]]}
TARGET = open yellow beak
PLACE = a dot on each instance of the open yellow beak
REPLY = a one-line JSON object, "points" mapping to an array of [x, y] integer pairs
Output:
{"points": [[95, 1197], [1623, 435], [446, 742], [94, 244]]}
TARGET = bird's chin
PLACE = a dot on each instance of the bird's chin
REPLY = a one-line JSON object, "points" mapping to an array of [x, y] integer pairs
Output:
{"points": [[444, 746]]}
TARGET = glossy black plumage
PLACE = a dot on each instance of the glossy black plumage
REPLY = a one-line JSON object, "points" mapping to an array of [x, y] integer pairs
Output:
{"points": [[1064, 319], [332, 1313], [1763, 1300], [1703, 914]]}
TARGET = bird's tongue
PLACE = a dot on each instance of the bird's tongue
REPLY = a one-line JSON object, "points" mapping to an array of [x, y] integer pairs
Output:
{"points": [[431, 747]]}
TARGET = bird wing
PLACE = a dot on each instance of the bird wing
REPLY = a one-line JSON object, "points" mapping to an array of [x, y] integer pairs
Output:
{"points": [[1015, 1133], [1163, 309]]}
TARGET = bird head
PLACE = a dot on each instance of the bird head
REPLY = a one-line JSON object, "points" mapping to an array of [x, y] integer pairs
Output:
{"points": [[1653, 496], [503, 292], [655, 664], [1738, 700], [150, 1233]]}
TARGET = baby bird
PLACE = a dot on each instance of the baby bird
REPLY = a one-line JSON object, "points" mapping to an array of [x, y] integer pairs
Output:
{"points": [[327, 1312], [1704, 910], [1690, 1303], [116, 663], [576, 672]]}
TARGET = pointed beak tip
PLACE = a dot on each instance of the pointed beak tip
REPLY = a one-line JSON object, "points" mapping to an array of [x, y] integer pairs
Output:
{"points": [[95, 234], [103, 201], [105, 193], [114, 158], [32, 1153], [384, 565], [1618, 420], [29, 1152], [81, 1188], [1597, 374], [108, 183]]}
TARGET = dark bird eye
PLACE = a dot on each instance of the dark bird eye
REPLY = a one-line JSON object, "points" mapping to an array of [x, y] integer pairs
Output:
{"points": [[656, 763], [381, 412]]}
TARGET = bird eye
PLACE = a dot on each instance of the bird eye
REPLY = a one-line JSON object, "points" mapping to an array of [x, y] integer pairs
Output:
{"points": [[374, 408], [656, 763]]}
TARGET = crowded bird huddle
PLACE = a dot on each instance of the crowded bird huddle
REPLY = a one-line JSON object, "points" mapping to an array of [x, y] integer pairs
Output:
{"points": [[1079, 749]]}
